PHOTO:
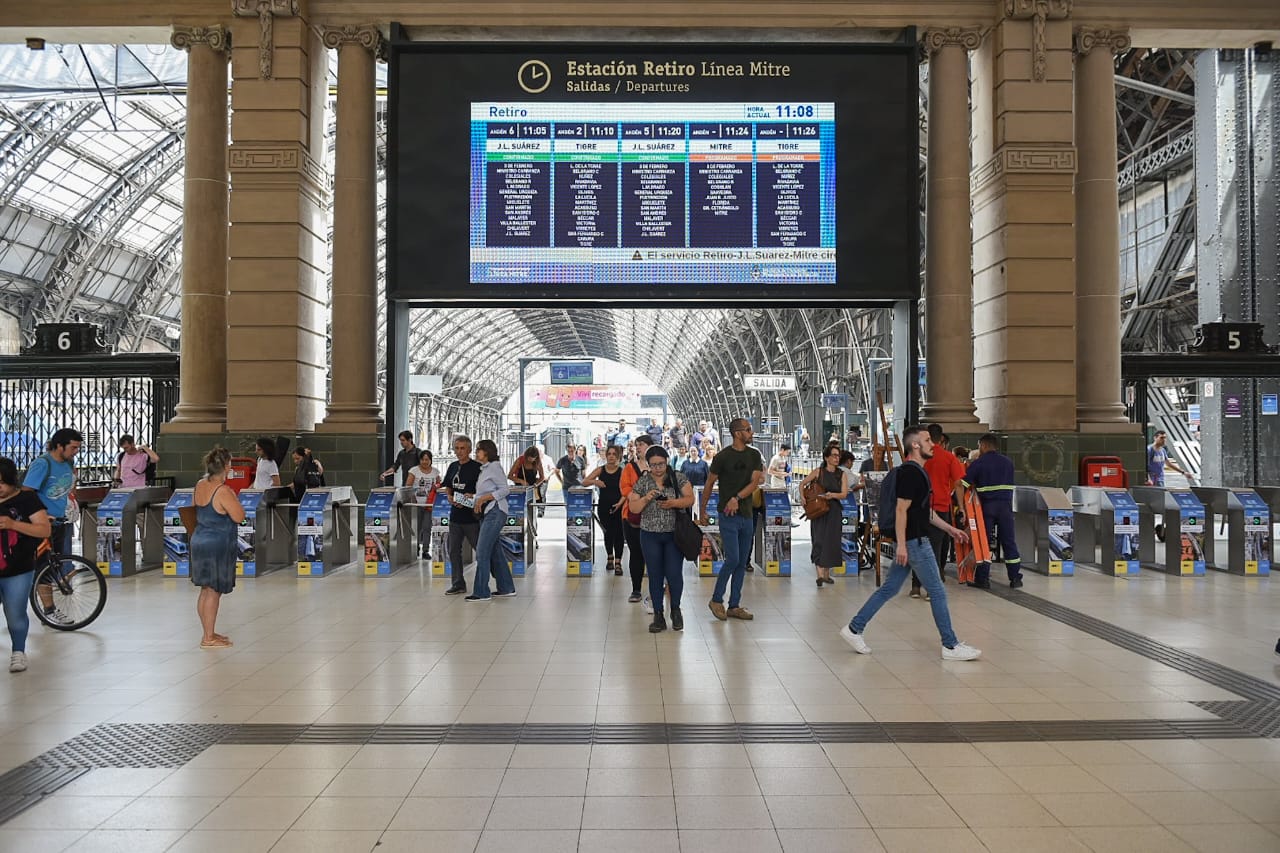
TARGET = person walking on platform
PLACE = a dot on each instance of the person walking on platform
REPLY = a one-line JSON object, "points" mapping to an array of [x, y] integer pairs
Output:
{"points": [[946, 479], [658, 495], [1158, 459], [528, 471], [53, 478], [695, 468], [679, 435], [406, 460], [991, 475], [136, 464], [267, 473], [608, 479], [569, 469], [491, 505], [460, 480], [827, 549], [913, 514], [424, 479], [24, 524], [631, 520], [738, 471], [213, 544], [308, 473]]}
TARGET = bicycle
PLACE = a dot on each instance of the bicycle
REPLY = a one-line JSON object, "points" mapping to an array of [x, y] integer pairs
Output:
{"points": [[69, 591]]}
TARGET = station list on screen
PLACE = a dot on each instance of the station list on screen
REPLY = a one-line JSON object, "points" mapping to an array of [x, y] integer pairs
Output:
{"points": [[609, 193]]}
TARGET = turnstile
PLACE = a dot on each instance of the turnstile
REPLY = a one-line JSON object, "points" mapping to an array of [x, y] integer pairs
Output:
{"points": [[711, 559], [777, 533], [1248, 530], [1044, 526], [1183, 513], [1106, 529], [579, 536], [326, 523], [113, 533], [849, 510], [177, 544], [264, 542], [390, 530], [516, 540], [1271, 497]]}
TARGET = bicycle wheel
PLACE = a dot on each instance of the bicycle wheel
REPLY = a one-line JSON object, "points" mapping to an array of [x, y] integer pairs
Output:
{"points": [[69, 592]]}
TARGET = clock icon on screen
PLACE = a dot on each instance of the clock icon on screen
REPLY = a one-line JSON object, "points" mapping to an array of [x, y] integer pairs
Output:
{"points": [[534, 76]]}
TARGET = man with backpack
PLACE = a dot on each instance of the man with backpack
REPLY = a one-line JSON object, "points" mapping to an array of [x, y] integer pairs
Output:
{"points": [[905, 516], [53, 477], [136, 464]]}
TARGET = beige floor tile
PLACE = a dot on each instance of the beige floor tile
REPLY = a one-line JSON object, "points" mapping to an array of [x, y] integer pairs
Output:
{"points": [[1027, 840], [629, 782], [535, 813], [1021, 754], [1004, 810], [1131, 839], [116, 782], [1093, 810], [478, 756], [630, 755], [221, 841], [235, 755], [787, 755], [39, 840], [885, 781], [629, 812], [437, 841], [544, 782], [256, 813], [969, 780], [456, 782], [1262, 806], [829, 840], [527, 841], [738, 841], [162, 813], [866, 755], [705, 755], [1100, 752], [1185, 807], [811, 781], [392, 756], [69, 813], [1055, 779], [1228, 838], [815, 812], [913, 840], [722, 813], [442, 813], [530, 756], [636, 841], [290, 782], [298, 756], [126, 841], [715, 781], [908, 811], [327, 841], [944, 755], [1222, 777]]}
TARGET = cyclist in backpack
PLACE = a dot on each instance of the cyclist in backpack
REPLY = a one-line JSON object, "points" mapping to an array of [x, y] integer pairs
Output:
{"points": [[136, 464]]}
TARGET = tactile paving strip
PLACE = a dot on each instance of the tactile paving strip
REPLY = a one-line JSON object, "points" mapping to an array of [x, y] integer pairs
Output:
{"points": [[1261, 718], [134, 745]]}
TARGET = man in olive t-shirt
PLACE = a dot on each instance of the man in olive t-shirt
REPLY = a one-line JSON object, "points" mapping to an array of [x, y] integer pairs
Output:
{"points": [[738, 471]]}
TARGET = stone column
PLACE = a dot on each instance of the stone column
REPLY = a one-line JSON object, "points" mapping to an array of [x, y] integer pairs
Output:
{"points": [[203, 389], [1097, 229], [948, 240], [353, 362]]}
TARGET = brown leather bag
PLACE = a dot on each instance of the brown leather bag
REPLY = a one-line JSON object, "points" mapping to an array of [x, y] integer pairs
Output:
{"points": [[815, 506]]}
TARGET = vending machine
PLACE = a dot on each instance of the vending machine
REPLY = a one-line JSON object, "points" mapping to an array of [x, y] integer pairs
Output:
{"points": [[579, 531]]}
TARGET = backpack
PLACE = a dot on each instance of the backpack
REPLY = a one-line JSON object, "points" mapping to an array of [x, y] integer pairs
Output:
{"points": [[887, 515], [149, 472]]}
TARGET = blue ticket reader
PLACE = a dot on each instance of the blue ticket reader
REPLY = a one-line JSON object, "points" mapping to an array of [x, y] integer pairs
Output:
{"points": [[1106, 529], [777, 533], [512, 541], [126, 532], [177, 545], [390, 531], [326, 522], [711, 559], [1248, 530], [440, 509], [1184, 515], [264, 540], [579, 532], [848, 536], [1044, 525]]}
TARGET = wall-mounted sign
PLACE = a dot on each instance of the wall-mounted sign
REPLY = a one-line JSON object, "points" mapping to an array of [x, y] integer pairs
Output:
{"points": [[1232, 407], [835, 401], [1271, 404], [768, 383], [572, 373]]}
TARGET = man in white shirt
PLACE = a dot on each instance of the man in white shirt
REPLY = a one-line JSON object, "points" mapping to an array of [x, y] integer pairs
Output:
{"points": [[779, 468]]}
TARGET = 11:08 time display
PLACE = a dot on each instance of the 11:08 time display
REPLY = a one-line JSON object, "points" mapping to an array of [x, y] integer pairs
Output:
{"points": [[794, 111]]}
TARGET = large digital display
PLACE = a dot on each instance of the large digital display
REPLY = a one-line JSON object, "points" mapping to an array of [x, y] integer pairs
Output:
{"points": [[749, 173]]}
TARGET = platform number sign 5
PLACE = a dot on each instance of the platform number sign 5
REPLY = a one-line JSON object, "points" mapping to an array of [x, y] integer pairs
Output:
{"points": [[1233, 339]]}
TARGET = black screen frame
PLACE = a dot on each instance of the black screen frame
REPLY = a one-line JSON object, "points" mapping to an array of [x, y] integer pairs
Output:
{"points": [[902, 282]]}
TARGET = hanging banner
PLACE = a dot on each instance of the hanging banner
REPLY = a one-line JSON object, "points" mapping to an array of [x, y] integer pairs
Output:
{"points": [[177, 545]]}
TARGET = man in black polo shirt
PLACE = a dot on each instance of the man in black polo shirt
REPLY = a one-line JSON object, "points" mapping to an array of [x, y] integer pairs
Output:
{"points": [[912, 517], [460, 479], [406, 459]]}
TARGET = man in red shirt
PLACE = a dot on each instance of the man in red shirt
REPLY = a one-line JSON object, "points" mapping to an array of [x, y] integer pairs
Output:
{"points": [[945, 476]]}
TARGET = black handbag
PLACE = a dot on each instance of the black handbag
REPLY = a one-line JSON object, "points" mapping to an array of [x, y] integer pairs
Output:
{"points": [[688, 535]]}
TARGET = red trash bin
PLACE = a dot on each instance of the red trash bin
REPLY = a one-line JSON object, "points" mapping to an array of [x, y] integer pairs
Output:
{"points": [[1103, 471], [241, 473]]}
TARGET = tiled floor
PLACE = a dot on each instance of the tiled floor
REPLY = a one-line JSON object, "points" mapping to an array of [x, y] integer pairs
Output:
{"points": [[396, 651]]}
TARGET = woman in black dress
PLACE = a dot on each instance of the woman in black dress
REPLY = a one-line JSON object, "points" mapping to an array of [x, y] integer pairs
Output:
{"points": [[608, 477], [826, 552]]}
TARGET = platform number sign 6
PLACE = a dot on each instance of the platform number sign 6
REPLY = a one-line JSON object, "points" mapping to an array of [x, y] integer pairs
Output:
{"points": [[64, 342]]}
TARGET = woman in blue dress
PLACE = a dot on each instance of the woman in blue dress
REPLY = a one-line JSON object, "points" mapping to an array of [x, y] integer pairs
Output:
{"points": [[213, 544]]}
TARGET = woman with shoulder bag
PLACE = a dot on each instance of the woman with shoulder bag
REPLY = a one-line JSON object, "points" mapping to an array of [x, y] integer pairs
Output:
{"points": [[24, 524], [308, 473], [658, 495], [826, 531]]}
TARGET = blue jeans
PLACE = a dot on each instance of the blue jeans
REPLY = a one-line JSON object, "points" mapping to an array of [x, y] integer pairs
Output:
{"points": [[736, 532], [489, 556], [15, 593], [665, 564], [920, 559], [998, 516]]}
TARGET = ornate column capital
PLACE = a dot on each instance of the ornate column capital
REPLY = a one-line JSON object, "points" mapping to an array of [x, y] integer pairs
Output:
{"points": [[265, 11], [933, 40], [216, 37], [1042, 9], [367, 36], [1089, 38]]}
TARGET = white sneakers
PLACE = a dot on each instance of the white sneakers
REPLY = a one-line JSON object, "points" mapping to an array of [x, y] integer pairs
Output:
{"points": [[647, 604], [855, 640], [961, 651], [18, 662]]}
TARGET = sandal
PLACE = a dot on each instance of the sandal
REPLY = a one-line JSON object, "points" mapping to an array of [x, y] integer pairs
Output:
{"points": [[215, 643]]}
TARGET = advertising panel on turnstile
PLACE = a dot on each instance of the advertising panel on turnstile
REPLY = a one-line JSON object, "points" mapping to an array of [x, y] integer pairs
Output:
{"points": [[110, 524], [1062, 536], [512, 539], [711, 559], [1257, 533], [1126, 532], [177, 545], [440, 535], [311, 533], [579, 531], [1191, 535], [777, 533], [247, 535], [848, 536], [377, 532]]}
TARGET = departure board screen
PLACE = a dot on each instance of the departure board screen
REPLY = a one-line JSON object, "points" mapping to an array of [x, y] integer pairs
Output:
{"points": [[524, 173]]}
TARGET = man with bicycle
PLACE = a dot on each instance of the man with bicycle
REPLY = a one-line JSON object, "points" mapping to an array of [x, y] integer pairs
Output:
{"points": [[52, 476]]}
